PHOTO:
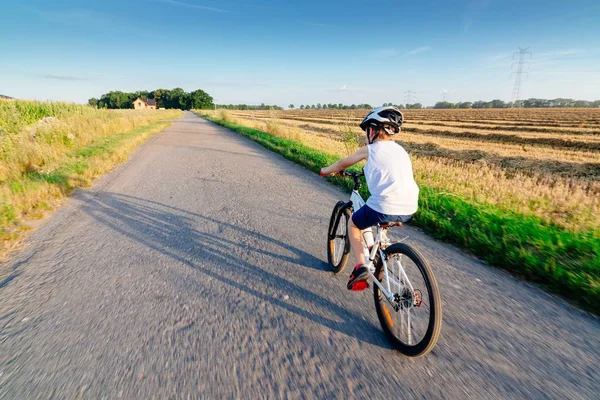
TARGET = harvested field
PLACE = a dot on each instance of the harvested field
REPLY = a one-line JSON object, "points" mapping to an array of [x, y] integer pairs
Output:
{"points": [[516, 148], [538, 162], [571, 116]]}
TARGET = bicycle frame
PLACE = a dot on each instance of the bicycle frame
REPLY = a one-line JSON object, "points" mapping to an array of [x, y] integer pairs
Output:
{"points": [[381, 238]]}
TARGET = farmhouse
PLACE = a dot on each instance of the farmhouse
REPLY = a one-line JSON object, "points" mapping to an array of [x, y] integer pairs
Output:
{"points": [[141, 104]]}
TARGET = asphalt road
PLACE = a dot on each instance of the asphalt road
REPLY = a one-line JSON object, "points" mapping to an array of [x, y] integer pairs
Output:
{"points": [[198, 270]]}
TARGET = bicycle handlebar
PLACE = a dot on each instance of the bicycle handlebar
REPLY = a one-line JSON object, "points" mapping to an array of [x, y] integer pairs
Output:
{"points": [[352, 174]]}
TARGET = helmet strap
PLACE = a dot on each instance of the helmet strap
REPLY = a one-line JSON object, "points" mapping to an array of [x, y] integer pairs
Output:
{"points": [[372, 139]]}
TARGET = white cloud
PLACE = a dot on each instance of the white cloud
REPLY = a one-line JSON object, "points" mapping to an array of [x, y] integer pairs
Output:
{"points": [[63, 77], [418, 50], [181, 3], [78, 17], [562, 53], [345, 89]]}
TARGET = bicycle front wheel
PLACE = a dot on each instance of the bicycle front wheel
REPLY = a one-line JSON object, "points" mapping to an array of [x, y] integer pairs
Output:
{"points": [[412, 321], [338, 243]]}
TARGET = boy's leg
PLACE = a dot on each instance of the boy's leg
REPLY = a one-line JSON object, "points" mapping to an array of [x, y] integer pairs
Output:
{"points": [[361, 219], [356, 242]]}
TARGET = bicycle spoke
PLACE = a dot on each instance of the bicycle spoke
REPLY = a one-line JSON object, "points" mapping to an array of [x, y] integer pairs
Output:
{"points": [[339, 240], [405, 279], [408, 332]]}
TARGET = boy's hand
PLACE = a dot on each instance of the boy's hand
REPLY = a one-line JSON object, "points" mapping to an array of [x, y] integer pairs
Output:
{"points": [[339, 166], [324, 172]]}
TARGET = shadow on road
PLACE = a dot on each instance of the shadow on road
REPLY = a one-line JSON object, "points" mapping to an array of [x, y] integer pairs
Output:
{"points": [[206, 244]]}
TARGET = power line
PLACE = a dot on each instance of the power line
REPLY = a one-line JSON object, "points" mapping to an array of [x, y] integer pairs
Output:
{"points": [[409, 97], [522, 53], [564, 70], [444, 95], [567, 58]]}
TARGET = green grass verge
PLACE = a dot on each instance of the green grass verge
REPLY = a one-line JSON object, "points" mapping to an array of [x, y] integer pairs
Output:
{"points": [[566, 263], [69, 175]]}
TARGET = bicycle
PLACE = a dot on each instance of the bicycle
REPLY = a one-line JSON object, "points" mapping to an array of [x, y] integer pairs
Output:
{"points": [[389, 269]]}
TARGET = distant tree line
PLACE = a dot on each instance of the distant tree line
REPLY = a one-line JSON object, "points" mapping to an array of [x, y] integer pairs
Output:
{"points": [[407, 106], [165, 98], [262, 106], [341, 106], [330, 106], [529, 103]]}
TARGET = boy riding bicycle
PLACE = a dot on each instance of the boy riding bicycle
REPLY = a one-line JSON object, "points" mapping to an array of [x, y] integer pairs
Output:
{"points": [[389, 176]]}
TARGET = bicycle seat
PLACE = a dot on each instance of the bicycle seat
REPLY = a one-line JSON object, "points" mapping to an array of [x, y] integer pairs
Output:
{"points": [[387, 225]]}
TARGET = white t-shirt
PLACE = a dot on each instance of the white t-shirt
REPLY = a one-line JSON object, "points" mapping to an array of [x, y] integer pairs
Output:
{"points": [[389, 176]]}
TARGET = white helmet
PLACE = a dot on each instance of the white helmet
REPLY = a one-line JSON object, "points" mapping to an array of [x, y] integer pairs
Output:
{"points": [[379, 117]]}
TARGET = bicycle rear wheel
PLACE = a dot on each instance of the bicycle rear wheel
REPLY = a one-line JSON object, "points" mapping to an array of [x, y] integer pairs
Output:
{"points": [[413, 320], [338, 243]]}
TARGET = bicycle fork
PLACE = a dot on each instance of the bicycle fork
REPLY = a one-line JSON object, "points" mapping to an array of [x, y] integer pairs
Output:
{"points": [[393, 298]]}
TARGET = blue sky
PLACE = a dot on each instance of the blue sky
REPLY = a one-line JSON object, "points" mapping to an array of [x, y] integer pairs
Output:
{"points": [[300, 52]]}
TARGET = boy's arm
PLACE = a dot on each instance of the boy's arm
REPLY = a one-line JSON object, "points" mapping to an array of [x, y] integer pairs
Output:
{"points": [[344, 163]]}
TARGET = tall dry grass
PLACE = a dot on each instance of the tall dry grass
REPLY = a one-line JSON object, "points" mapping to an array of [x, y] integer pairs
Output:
{"points": [[35, 136], [47, 149], [281, 129]]}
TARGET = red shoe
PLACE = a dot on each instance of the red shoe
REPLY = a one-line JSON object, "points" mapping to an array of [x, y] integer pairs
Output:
{"points": [[358, 279]]}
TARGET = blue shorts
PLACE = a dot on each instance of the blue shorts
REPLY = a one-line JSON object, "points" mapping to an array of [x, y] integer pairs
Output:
{"points": [[366, 217]]}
